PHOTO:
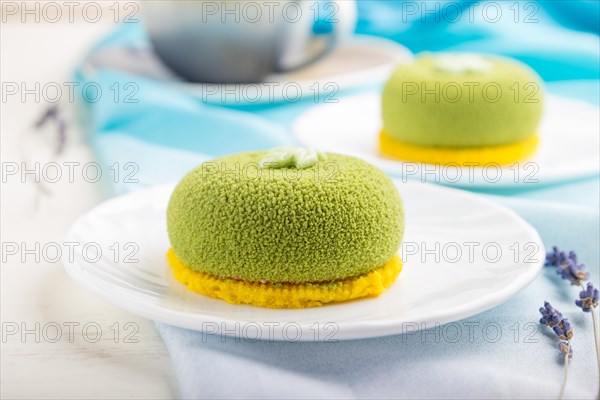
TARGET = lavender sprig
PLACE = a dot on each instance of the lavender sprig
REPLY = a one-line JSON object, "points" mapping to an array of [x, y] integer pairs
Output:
{"points": [[52, 113], [567, 266], [570, 269], [554, 319], [588, 302]]}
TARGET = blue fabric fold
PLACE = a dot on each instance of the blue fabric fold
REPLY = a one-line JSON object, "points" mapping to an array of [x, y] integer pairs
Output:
{"points": [[527, 31], [164, 132]]}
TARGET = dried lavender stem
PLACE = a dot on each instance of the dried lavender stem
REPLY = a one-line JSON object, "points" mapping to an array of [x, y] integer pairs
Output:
{"points": [[597, 341], [564, 385], [596, 338]]}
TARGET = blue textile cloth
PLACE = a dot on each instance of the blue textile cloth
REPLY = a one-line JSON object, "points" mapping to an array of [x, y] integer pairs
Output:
{"points": [[166, 133]]}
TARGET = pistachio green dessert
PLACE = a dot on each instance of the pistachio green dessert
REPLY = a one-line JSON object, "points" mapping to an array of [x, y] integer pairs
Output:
{"points": [[461, 101], [283, 219]]}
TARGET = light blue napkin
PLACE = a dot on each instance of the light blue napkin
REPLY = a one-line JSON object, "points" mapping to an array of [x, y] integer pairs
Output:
{"points": [[167, 133]]}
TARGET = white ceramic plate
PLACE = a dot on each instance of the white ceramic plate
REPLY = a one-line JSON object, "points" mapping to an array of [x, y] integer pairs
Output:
{"points": [[358, 62], [569, 142], [433, 288]]}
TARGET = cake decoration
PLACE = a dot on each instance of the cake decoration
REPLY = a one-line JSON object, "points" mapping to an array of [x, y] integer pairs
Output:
{"points": [[462, 63], [295, 157]]}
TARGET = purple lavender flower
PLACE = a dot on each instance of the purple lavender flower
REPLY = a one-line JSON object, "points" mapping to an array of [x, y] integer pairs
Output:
{"points": [[573, 272], [53, 114], [567, 266], [550, 316], [565, 347], [563, 330], [50, 113], [555, 257], [588, 298]]}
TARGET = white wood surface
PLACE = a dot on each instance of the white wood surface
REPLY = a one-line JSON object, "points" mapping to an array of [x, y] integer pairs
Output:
{"points": [[41, 292]]}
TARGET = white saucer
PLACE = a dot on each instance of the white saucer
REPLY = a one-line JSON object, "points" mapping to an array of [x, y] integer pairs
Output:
{"points": [[434, 288], [569, 142], [358, 62]]}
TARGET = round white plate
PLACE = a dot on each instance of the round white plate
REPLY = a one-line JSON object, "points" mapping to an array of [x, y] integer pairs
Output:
{"points": [[357, 62], [121, 257], [569, 142]]}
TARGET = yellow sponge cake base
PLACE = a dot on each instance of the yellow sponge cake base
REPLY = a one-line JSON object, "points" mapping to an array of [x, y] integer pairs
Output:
{"points": [[469, 156], [286, 295]]}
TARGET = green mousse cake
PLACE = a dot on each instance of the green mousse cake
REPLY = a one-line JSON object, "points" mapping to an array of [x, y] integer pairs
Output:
{"points": [[292, 220], [458, 107]]}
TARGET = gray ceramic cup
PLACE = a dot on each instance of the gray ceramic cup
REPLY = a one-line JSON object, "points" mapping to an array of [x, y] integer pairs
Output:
{"points": [[243, 41]]}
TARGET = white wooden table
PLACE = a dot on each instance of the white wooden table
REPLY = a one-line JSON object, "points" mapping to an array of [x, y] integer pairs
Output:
{"points": [[50, 347]]}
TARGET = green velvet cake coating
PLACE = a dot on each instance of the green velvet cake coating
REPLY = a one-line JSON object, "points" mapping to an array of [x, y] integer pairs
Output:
{"points": [[338, 218], [462, 100]]}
